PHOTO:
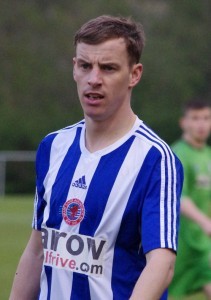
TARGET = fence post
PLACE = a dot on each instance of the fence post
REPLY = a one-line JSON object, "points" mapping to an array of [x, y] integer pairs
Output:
{"points": [[2, 177], [12, 156]]}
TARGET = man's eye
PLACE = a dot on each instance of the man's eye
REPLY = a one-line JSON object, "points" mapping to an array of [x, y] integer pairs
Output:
{"points": [[85, 66], [108, 68]]}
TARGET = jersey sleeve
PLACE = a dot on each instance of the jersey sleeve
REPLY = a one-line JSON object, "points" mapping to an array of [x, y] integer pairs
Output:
{"points": [[161, 206], [42, 167]]}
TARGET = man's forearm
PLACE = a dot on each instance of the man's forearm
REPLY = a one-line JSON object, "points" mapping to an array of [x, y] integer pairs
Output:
{"points": [[27, 279], [26, 283]]}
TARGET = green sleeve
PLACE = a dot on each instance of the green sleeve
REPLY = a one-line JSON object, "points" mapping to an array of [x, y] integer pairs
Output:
{"points": [[187, 178], [186, 191]]}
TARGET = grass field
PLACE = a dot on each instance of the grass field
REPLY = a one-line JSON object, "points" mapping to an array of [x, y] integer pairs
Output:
{"points": [[15, 228]]}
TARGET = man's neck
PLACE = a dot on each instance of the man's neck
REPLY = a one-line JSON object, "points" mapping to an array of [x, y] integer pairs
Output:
{"points": [[101, 134]]}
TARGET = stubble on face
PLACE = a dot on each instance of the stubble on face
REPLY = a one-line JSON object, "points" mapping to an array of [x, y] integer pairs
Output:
{"points": [[103, 76]]}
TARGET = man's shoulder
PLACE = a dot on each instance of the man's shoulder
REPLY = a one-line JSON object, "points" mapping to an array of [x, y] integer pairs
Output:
{"points": [[64, 131], [69, 128], [153, 141], [61, 137]]}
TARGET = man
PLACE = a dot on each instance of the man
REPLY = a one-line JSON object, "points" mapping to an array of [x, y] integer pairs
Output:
{"points": [[193, 267], [108, 188]]}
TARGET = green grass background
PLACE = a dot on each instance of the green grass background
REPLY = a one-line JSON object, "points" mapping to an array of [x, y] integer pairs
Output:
{"points": [[15, 229]]}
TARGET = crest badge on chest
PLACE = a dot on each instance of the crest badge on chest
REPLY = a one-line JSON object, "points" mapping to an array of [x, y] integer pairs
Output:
{"points": [[73, 212]]}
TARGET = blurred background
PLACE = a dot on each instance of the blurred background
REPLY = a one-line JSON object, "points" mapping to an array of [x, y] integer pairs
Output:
{"points": [[37, 92]]}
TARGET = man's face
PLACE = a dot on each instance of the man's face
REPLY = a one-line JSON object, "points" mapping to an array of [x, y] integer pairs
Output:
{"points": [[197, 124], [104, 78]]}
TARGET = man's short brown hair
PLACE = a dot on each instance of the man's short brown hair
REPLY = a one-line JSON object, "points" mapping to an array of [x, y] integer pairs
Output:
{"points": [[107, 27]]}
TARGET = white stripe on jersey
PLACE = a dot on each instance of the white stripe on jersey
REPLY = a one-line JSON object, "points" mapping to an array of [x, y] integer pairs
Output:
{"points": [[44, 290], [160, 145], [56, 159], [84, 163], [61, 289], [34, 222]]}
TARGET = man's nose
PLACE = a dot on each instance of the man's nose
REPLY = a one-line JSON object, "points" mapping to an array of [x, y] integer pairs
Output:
{"points": [[95, 78]]}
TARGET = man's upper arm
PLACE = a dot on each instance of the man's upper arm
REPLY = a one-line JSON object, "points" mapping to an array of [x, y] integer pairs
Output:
{"points": [[163, 260], [161, 207], [34, 245], [165, 255]]}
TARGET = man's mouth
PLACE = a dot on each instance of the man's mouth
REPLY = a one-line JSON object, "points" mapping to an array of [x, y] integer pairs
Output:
{"points": [[94, 96]]}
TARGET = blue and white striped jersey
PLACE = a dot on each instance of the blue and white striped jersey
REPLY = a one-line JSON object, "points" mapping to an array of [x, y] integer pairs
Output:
{"points": [[101, 212]]}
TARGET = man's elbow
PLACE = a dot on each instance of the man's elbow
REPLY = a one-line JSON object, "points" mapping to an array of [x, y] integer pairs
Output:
{"points": [[170, 273]]}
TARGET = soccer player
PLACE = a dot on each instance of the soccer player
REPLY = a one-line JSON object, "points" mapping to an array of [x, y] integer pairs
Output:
{"points": [[193, 266], [108, 188]]}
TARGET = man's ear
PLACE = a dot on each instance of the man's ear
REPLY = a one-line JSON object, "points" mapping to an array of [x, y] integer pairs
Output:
{"points": [[135, 75]]}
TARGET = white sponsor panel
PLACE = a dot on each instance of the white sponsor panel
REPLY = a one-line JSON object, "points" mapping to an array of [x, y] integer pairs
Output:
{"points": [[74, 252]]}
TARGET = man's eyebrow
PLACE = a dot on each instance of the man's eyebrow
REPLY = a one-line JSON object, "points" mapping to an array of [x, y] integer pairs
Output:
{"points": [[109, 63], [105, 63], [82, 60]]}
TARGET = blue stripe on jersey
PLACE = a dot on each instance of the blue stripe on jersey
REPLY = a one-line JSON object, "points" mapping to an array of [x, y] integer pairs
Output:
{"points": [[127, 247], [100, 186], [42, 166], [82, 284], [61, 186]]}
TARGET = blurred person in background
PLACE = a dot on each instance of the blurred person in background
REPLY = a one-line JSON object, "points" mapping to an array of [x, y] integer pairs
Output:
{"points": [[193, 266], [108, 188]]}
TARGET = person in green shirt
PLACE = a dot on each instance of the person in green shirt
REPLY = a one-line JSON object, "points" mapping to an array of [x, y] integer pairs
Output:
{"points": [[193, 265]]}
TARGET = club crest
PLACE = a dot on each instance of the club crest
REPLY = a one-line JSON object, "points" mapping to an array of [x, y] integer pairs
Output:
{"points": [[73, 212]]}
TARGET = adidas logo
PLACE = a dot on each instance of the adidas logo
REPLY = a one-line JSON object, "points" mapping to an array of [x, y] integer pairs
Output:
{"points": [[80, 183]]}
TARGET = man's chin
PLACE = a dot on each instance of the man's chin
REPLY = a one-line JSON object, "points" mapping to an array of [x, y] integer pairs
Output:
{"points": [[95, 117]]}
